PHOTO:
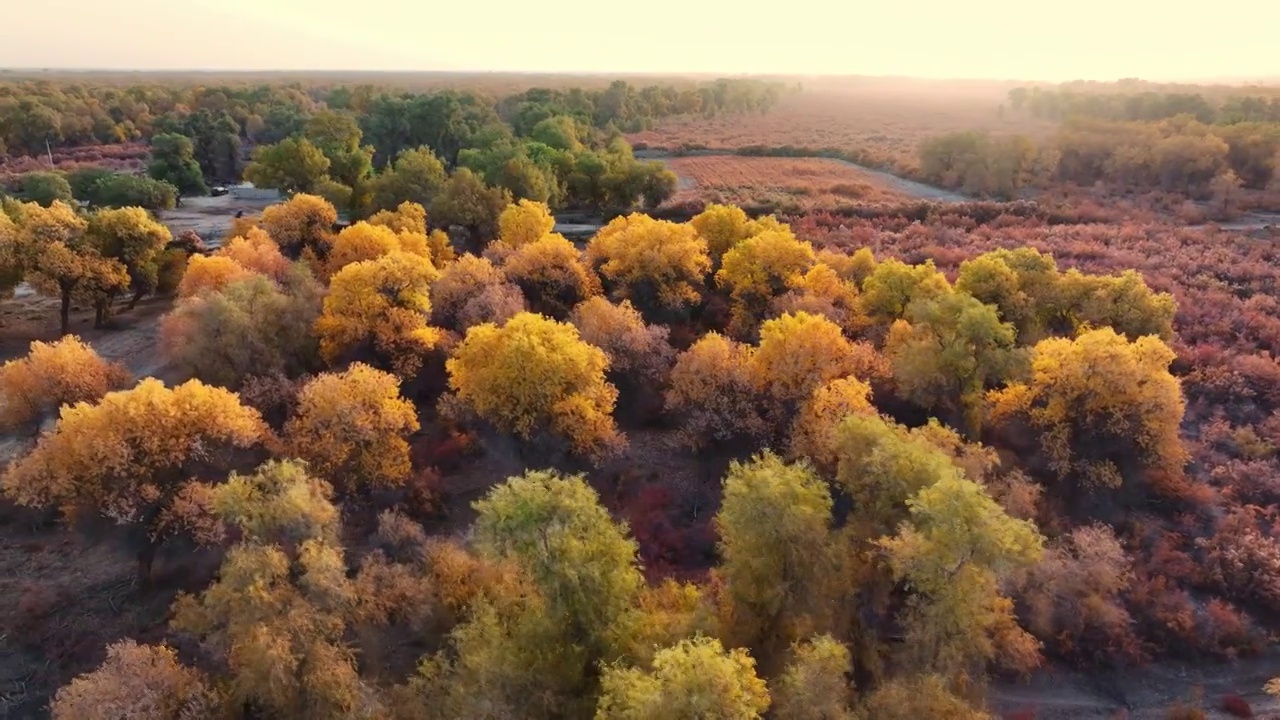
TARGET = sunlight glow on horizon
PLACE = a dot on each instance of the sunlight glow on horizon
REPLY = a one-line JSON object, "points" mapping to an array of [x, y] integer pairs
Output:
{"points": [[997, 39]]}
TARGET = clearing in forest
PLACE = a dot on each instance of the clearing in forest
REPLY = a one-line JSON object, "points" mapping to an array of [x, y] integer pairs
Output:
{"points": [[809, 182]]}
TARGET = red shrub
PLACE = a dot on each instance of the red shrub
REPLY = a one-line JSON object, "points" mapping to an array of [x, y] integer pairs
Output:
{"points": [[1237, 706]]}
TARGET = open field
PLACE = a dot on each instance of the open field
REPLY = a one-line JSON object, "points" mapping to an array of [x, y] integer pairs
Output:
{"points": [[883, 124], [809, 182]]}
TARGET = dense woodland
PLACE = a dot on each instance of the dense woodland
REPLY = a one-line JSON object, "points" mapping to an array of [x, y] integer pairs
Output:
{"points": [[559, 146], [1193, 142], [448, 463]]}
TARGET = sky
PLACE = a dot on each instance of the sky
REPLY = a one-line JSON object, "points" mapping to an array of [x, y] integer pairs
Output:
{"points": [[998, 39]]}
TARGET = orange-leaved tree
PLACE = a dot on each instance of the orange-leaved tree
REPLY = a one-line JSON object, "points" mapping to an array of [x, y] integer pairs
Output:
{"points": [[142, 682], [302, 226], [351, 427], [134, 457], [714, 395], [535, 377], [54, 374], [256, 251], [209, 274], [552, 275], [471, 291]]}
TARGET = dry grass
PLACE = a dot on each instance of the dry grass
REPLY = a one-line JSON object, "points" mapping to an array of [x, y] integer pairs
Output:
{"points": [[808, 182], [884, 123]]}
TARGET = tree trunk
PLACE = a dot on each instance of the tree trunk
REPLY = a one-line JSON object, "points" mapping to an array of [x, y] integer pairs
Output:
{"points": [[99, 314], [477, 242], [146, 559], [64, 313], [136, 297]]}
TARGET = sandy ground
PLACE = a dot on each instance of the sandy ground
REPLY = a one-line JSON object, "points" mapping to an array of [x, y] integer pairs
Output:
{"points": [[210, 217]]}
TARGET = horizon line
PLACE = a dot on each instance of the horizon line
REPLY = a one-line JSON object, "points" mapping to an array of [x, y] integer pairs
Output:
{"points": [[1220, 79]]}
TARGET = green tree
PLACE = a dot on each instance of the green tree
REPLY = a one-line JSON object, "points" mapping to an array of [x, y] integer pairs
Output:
{"points": [[465, 200], [893, 285], [416, 176], [946, 353], [44, 188], [554, 528], [780, 560], [134, 191], [694, 679], [293, 165], [276, 614], [250, 327], [953, 553], [173, 160]]}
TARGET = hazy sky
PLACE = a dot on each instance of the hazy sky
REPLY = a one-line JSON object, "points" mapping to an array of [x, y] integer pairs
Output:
{"points": [[1021, 39]]}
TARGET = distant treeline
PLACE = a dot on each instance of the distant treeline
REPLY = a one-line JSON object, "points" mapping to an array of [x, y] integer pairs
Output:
{"points": [[1064, 103], [36, 112], [366, 147]]}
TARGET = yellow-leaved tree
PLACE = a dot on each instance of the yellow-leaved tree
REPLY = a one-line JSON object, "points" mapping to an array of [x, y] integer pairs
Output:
{"points": [[551, 274], [658, 265], [714, 395], [54, 374], [815, 684], [377, 310], [276, 615], [351, 428], [695, 678], [132, 456], [797, 355], [535, 378], [524, 222], [364, 241], [62, 259], [409, 221], [893, 285], [1106, 408], [759, 269], [722, 227], [131, 237]]}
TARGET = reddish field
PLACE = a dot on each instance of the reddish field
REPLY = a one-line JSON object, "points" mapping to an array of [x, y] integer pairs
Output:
{"points": [[808, 182], [885, 122]]}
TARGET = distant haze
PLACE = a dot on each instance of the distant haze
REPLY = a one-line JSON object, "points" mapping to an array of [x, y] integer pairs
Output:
{"points": [[1081, 39]]}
